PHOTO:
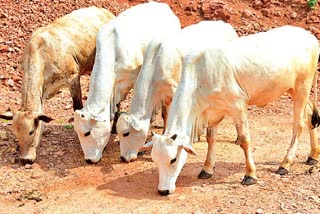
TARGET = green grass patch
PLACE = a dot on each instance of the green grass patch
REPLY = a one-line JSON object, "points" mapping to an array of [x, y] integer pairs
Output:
{"points": [[68, 126], [312, 4]]}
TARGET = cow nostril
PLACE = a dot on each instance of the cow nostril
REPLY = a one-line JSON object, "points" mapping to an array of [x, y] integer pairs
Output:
{"points": [[124, 160], [163, 192], [89, 161], [26, 161]]}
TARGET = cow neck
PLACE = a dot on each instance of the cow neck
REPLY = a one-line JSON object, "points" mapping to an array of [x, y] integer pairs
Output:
{"points": [[142, 103], [103, 76], [32, 90], [182, 116]]}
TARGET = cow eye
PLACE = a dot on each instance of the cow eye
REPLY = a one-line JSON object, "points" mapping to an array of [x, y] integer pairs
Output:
{"points": [[87, 133], [31, 132], [126, 134], [173, 160]]}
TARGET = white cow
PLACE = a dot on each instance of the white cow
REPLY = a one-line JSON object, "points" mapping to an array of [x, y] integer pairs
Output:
{"points": [[251, 70], [55, 56], [159, 77], [121, 45]]}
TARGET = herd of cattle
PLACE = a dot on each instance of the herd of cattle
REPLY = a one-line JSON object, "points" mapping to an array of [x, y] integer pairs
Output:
{"points": [[197, 75]]}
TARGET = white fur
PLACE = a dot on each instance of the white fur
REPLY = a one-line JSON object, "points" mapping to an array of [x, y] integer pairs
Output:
{"points": [[121, 45], [159, 78], [251, 70]]}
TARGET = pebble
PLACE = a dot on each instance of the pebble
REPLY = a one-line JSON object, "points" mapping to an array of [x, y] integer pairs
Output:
{"points": [[259, 211], [28, 166]]}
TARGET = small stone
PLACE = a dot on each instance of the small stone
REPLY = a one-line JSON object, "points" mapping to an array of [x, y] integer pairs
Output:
{"points": [[10, 82], [3, 136], [247, 14], [293, 15], [259, 211], [28, 166]]}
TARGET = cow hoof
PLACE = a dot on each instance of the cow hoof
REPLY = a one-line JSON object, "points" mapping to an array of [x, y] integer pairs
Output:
{"points": [[204, 175], [282, 171], [141, 153], [311, 161], [248, 180]]}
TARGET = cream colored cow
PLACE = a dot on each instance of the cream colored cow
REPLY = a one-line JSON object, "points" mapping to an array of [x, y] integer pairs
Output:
{"points": [[159, 77], [121, 45], [251, 70], [55, 57]]}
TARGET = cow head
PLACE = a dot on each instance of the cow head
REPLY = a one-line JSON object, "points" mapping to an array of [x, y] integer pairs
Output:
{"points": [[93, 133], [27, 127], [170, 154], [132, 135]]}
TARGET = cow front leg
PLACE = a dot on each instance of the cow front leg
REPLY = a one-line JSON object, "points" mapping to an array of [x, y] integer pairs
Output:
{"points": [[75, 91], [207, 170], [244, 140], [115, 120]]}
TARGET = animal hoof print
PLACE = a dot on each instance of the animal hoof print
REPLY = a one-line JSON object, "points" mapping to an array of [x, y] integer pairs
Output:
{"points": [[204, 175], [311, 161], [248, 180], [282, 171]]}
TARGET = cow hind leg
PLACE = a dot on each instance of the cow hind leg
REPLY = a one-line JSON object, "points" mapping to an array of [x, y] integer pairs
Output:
{"points": [[300, 104], [239, 115], [315, 149]]}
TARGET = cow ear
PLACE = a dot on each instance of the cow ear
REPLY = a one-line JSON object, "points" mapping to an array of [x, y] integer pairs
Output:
{"points": [[44, 118], [188, 148], [7, 115], [136, 124], [147, 146]]}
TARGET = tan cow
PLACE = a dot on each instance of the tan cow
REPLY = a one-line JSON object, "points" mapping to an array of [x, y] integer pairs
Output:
{"points": [[55, 57]]}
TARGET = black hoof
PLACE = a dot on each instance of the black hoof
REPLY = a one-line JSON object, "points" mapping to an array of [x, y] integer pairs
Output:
{"points": [[282, 171], [311, 161], [26, 161], [248, 180], [204, 175], [141, 153], [124, 160], [163, 192], [88, 161]]}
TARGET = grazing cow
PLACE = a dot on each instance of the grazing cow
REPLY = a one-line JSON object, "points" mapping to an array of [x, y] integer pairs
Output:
{"points": [[55, 57], [251, 70], [121, 45], [159, 77]]}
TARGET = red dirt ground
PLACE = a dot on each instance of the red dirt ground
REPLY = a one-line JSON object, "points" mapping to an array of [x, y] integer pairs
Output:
{"points": [[61, 182]]}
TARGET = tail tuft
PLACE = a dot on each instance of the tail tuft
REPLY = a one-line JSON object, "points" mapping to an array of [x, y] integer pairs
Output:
{"points": [[315, 119]]}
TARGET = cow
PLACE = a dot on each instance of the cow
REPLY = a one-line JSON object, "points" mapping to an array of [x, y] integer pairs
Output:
{"points": [[215, 82], [55, 56], [159, 77], [121, 45]]}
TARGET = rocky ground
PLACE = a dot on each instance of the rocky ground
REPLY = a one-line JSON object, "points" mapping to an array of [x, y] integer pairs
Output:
{"points": [[61, 182]]}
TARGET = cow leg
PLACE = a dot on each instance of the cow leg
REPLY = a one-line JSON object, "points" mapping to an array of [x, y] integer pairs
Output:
{"points": [[300, 102], [207, 170], [164, 113], [115, 120], [240, 118], [75, 91], [315, 149]]}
